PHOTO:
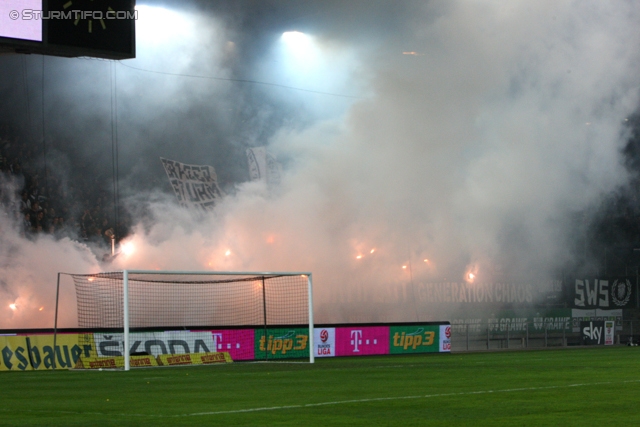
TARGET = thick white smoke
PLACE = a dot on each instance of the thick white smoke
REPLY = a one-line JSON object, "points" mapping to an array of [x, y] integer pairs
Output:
{"points": [[29, 278], [471, 154]]}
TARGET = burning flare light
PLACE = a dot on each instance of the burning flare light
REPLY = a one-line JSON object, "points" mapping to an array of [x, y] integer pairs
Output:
{"points": [[127, 248]]}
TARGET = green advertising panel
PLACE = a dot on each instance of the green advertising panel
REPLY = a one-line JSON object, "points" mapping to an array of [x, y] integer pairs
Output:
{"points": [[282, 343], [414, 339]]}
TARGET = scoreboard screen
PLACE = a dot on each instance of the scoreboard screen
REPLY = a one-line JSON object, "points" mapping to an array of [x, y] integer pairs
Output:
{"points": [[71, 28], [12, 24]]}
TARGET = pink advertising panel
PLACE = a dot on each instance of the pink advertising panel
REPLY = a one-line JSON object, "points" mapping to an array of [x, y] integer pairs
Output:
{"points": [[239, 343], [362, 340]]}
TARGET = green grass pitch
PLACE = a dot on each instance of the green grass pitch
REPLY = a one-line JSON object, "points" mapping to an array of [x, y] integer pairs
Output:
{"points": [[568, 387]]}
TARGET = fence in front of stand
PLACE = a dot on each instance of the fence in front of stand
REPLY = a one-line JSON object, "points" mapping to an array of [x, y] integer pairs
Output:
{"points": [[494, 336]]}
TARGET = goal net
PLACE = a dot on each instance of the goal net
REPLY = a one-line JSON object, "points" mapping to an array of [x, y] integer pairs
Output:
{"points": [[253, 316]]}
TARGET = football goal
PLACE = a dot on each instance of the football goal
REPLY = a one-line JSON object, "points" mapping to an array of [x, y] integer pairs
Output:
{"points": [[251, 315]]}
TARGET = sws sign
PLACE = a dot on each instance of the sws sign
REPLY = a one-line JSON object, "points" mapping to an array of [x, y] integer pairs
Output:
{"points": [[609, 293]]}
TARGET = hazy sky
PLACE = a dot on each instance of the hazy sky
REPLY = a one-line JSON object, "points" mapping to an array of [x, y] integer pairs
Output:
{"points": [[468, 133]]}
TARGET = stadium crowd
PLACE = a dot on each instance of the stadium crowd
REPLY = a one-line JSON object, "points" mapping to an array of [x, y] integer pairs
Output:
{"points": [[40, 202]]}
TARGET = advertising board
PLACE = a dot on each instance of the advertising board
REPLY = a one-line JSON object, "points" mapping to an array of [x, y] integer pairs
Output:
{"points": [[324, 342], [239, 343], [36, 351], [445, 338], [609, 334], [592, 332], [281, 343], [414, 339], [156, 343], [362, 340]]}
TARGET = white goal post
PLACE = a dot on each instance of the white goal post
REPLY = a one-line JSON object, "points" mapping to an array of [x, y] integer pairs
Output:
{"points": [[173, 301]]}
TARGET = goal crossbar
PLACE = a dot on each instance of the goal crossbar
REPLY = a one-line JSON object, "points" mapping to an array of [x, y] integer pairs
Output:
{"points": [[203, 273], [181, 277]]}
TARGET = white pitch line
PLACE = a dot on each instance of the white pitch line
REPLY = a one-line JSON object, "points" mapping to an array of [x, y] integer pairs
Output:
{"points": [[378, 399], [337, 402]]}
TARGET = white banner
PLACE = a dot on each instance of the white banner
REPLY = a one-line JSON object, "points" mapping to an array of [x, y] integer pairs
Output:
{"points": [[263, 166], [445, 338], [609, 334], [195, 186], [580, 315], [324, 341], [155, 343]]}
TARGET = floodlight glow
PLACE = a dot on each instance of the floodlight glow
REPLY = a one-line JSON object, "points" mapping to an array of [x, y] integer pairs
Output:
{"points": [[313, 62], [158, 25], [296, 39], [300, 52]]}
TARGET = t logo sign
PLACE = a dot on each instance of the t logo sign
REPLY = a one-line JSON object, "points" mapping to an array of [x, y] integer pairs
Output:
{"points": [[356, 339]]}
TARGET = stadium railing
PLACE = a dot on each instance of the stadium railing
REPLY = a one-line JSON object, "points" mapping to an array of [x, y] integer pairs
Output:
{"points": [[495, 336]]}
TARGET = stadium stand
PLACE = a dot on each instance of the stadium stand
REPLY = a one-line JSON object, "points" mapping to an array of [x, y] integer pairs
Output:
{"points": [[79, 210]]}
